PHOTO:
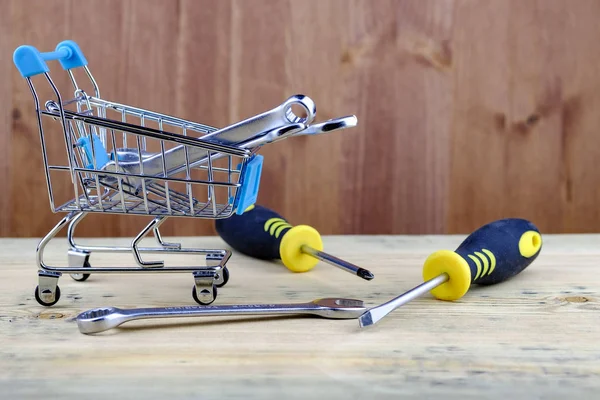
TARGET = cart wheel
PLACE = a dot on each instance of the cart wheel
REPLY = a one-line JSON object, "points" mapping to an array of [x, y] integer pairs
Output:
{"points": [[225, 277], [195, 296], [40, 301], [82, 277]]}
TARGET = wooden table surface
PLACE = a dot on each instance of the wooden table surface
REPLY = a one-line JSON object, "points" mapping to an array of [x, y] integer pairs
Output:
{"points": [[535, 336]]}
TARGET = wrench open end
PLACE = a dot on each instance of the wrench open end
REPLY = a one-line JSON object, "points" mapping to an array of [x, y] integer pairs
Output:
{"points": [[331, 125]]}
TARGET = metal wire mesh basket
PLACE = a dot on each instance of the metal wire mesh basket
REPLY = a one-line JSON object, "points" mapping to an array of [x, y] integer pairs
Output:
{"points": [[120, 159]]}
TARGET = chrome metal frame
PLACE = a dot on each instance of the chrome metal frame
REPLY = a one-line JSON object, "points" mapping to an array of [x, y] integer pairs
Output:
{"points": [[127, 176], [98, 190]]}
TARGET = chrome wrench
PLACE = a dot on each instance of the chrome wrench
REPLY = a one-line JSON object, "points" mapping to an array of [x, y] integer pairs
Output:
{"points": [[293, 129], [175, 159], [101, 319]]}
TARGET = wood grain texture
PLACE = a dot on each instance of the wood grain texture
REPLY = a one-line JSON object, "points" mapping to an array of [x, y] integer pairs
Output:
{"points": [[534, 336], [468, 111], [6, 116]]}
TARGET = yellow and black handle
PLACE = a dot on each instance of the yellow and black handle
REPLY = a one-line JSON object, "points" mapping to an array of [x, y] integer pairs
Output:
{"points": [[491, 254], [262, 233]]}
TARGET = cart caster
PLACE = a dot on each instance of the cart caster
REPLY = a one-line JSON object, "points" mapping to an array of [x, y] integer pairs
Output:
{"points": [[77, 259], [82, 277], [47, 292], [206, 296], [223, 278]]}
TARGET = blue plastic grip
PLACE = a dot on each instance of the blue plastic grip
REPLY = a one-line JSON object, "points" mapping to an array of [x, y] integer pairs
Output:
{"points": [[75, 60], [63, 52], [101, 154], [248, 193], [30, 62]]}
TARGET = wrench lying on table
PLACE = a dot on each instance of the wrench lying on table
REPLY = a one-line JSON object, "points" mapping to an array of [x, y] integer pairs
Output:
{"points": [[102, 319]]}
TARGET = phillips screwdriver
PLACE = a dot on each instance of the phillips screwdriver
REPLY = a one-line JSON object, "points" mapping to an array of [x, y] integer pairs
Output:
{"points": [[262, 233], [492, 254]]}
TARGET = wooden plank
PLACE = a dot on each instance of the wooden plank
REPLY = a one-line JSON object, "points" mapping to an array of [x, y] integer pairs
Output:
{"points": [[521, 135], [375, 34], [423, 109], [148, 57], [258, 82], [580, 119], [536, 333], [535, 139], [312, 178], [7, 113], [201, 76], [478, 146], [103, 41], [396, 165], [468, 111], [30, 214]]}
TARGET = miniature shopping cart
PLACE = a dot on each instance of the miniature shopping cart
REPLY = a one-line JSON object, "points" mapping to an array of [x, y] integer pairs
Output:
{"points": [[119, 159]]}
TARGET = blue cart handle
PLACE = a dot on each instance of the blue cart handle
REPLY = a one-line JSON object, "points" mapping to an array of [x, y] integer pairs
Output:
{"points": [[30, 62]]}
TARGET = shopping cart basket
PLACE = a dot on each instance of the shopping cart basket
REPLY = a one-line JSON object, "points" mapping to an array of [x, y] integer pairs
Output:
{"points": [[120, 159]]}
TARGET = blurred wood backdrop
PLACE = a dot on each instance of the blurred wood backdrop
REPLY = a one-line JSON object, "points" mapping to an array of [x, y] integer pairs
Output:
{"points": [[468, 110]]}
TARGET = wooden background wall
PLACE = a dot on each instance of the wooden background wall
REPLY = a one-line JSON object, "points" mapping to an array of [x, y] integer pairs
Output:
{"points": [[468, 110]]}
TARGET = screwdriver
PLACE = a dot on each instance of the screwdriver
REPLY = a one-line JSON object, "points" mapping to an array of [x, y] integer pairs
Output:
{"points": [[492, 254], [262, 233]]}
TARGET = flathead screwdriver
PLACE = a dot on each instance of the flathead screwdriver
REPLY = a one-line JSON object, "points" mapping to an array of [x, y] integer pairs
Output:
{"points": [[492, 254]]}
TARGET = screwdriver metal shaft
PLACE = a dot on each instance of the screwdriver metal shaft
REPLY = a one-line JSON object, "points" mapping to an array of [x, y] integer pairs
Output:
{"points": [[262, 233], [376, 313], [337, 262]]}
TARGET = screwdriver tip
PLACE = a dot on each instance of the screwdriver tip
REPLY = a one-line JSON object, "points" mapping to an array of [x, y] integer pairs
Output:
{"points": [[365, 274], [365, 320]]}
